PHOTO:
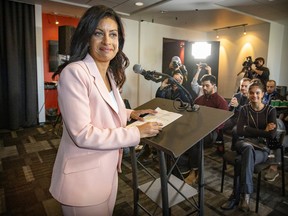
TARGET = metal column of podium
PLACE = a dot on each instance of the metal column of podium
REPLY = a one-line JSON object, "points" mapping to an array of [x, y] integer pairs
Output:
{"points": [[174, 140]]}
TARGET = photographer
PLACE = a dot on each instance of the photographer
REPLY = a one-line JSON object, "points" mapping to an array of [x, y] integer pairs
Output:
{"points": [[175, 66], [171, 91], [196, 88], [260, 71]]}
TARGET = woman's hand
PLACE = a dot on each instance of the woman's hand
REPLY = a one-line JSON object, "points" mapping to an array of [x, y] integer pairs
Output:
{"points": [[135, 114], [150, 129], [270, 126]]}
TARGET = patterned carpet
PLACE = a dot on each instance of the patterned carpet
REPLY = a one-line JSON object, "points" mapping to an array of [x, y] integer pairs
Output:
{"points": [[27, 158]]}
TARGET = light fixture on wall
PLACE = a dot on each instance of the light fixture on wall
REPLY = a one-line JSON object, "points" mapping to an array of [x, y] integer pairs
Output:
{"points": [[229, 27], [217, 35], [182, 44], [56, 20]]}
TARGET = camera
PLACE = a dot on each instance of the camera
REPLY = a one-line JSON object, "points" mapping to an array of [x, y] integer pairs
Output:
{"points": [[248, 62], [176, 64], [203, 65]]}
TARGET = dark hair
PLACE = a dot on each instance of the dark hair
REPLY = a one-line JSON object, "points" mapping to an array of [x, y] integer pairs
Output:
{"points": [[256, 83], [260, 58], [80, 41], [208, 77], [272, 81]]}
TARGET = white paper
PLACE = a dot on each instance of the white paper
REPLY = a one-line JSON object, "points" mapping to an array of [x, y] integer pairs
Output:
{"points": [[162, 116]]}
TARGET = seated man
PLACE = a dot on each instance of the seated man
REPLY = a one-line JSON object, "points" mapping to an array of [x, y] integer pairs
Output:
{"points": [[212, 99], [196, 88], [238, 100], [271, 93]]}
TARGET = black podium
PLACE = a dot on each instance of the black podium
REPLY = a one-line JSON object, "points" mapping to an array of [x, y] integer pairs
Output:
{"points": [[174, 140]]}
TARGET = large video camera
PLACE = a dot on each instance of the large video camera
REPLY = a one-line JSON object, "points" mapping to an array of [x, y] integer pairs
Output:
{"points": [[248, 62]]}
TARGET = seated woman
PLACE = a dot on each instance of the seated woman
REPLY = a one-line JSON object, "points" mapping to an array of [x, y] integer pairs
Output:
{"points": [[256, 122]]}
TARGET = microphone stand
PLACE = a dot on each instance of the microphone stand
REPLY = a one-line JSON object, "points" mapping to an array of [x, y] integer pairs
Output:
{"points": [[191, 106], [152, 76]]}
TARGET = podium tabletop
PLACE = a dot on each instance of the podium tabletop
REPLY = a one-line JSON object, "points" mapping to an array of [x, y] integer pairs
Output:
{"points": [[186, 131]]}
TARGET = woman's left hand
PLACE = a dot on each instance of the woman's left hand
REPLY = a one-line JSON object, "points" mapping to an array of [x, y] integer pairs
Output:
{"points": [[135, 114]]}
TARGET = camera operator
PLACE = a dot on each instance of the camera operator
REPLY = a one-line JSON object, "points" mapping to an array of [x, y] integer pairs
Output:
{"points": [[260, 71], [176, 66]]}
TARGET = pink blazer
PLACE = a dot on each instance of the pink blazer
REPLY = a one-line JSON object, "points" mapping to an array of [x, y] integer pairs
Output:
{"points": [[93, 132]]}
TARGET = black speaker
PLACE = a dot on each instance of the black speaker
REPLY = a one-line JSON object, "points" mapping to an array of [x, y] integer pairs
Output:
{"points": [[64, 36], [53, 55]]}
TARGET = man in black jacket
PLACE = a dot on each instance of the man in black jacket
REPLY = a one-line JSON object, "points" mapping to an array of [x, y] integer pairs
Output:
{"points": [[238, 100], [260, 71]]}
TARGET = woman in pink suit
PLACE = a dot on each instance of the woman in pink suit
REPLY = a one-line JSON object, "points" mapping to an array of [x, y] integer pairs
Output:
{"points": [[85, 178]]}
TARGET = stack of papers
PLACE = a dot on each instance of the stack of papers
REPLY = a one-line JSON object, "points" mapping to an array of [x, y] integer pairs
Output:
{"points": [[162, 116]]}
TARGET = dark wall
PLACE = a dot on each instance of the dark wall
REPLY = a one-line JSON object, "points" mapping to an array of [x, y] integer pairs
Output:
{"points": [[171, 48]]}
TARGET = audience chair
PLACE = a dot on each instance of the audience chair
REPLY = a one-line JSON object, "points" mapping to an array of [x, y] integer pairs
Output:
{"points": [[229, 157]]}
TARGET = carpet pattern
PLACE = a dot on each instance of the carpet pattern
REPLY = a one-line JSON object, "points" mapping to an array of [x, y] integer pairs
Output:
{"points": [[26, 161]]}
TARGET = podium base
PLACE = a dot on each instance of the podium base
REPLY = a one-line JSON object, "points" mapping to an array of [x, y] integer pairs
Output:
{"points": [[153, 190]]}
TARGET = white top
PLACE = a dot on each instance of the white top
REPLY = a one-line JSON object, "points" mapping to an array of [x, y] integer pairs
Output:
{"points": [[114, 103]]}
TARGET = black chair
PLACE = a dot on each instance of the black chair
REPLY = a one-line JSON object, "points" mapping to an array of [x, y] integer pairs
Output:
{"points": [[229, 157]]}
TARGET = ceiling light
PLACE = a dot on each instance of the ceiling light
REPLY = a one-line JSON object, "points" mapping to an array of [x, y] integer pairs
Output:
{"points": [[244, 33], [139, 4], [217, 35], [230, 27]]}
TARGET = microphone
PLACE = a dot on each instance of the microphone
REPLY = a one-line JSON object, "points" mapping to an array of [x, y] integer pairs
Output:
{"points": [[150, 75], [159, 77]]}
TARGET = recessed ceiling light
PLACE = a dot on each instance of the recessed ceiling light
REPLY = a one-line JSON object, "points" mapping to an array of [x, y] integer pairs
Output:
{"points": [[139, 4]]}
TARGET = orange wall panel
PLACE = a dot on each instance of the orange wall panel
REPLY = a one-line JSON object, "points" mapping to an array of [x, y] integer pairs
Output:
{"points": [[50, 32]]}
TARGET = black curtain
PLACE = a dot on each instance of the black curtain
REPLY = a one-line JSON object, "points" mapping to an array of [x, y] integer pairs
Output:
{"points": [[18, 81]]}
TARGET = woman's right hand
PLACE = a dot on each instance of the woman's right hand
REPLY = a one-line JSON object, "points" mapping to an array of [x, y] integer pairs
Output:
{"points": [[149, 129]]}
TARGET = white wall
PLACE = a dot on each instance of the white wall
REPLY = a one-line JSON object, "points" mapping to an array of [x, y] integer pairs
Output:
{"points": [[234, 48], [278, 54], [131, 49]]}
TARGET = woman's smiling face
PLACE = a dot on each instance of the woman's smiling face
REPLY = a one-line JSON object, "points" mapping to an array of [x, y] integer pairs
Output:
{"points": [[104, 43], [255, 94]]}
